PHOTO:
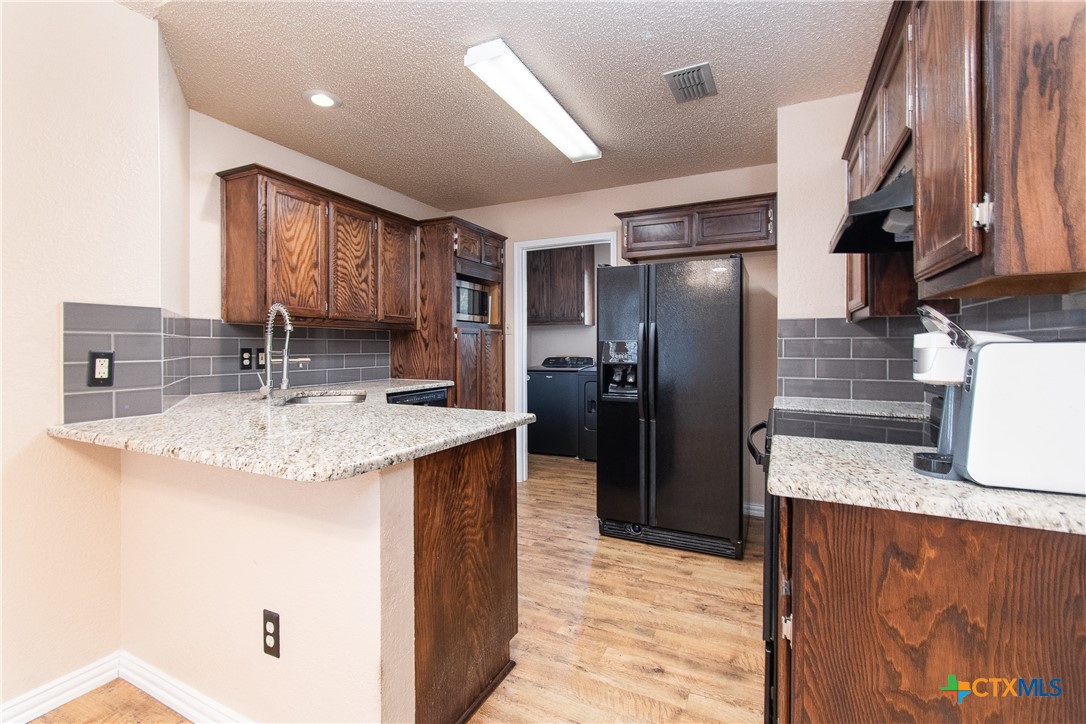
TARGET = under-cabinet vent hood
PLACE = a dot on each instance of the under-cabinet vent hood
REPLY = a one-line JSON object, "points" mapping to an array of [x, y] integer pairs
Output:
{"points": [[879, 222]]}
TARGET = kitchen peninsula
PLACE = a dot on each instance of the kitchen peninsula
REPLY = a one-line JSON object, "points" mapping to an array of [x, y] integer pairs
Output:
{"points": [[320, 513]]}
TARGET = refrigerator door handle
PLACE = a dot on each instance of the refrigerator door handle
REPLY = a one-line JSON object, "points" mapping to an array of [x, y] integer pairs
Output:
{"points": [[650, 370], [642, 358]]}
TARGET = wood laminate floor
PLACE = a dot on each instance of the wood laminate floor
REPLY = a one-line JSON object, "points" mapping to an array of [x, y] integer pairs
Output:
{"points": [[610, 630]]}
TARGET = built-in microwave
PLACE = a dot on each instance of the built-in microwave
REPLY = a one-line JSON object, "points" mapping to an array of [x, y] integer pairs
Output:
{"points": [[471, 302]]}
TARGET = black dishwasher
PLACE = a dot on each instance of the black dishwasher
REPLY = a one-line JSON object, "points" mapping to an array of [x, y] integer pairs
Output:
{"points": [[426, 398]]}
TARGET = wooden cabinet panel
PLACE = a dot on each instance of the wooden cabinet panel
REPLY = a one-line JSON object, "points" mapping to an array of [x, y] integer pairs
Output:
{"points": [[468, 244], [318, 252], [894, 602], [655, 232], [856, 283], [493, 370], [736, 226], [726, 226], [352, 291], [493, 251], [399, 271], [537, 281], [855, 174], [947, 134], [894, 123], [465, 575], [469, 358], [557, 280], [870, 152], [296, 262]]}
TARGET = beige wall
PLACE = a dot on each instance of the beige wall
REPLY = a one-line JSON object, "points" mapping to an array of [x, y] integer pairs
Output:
{"points": [[594, 211], [82, 220], [205, 550], [216, 146], [811, 199], [174, 188]]}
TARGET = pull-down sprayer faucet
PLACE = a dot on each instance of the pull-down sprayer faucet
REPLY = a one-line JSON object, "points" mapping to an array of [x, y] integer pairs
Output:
{"points": [[269, 328]]}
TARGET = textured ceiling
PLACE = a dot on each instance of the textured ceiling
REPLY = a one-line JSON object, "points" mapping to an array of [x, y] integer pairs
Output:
{"points": [[416, 120]]}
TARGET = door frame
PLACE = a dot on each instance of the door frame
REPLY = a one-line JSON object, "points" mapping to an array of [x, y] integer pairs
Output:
{"points": [[520, 321]]}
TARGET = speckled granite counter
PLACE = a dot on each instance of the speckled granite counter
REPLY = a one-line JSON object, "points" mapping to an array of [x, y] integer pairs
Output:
{"points": [[909, 410], [306, 443], [879, 475]]}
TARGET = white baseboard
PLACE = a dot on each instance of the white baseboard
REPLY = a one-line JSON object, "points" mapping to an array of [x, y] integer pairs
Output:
{"points": [[177, 695], [754, 510], [60, 691]]}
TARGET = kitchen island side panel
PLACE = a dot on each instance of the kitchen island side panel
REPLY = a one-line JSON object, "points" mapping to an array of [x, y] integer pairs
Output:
{"points": [[465, 575]]}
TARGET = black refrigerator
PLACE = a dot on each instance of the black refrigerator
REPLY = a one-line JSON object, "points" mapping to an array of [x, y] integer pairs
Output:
{"points": [[670, 400]]}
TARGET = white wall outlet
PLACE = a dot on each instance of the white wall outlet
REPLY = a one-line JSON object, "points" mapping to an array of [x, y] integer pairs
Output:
{"points": [[100, 369]]}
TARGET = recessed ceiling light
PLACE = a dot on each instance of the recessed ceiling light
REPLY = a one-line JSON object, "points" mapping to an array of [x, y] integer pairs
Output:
{"points": [[324, 99], [507, 76]]}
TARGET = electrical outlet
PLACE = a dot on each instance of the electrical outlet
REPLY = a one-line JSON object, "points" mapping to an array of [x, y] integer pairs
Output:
{"points": [[271, 633], [100, 369], [246, 358], [261, 363]]}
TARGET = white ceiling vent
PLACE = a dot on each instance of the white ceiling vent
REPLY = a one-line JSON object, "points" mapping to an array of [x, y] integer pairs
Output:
{"points": [[691, 83]]}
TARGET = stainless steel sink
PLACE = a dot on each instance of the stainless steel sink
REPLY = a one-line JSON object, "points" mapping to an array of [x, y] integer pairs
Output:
{"points": [[304, 399]]}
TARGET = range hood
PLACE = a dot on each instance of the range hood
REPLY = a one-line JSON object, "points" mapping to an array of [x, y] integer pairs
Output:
{"points": [[879, 222]]}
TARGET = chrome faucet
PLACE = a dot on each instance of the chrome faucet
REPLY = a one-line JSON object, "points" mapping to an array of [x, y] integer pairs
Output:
{"points": [[269, 328]]}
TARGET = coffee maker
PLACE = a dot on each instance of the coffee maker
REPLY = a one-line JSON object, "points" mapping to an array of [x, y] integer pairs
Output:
{"points": [[939, 359]]}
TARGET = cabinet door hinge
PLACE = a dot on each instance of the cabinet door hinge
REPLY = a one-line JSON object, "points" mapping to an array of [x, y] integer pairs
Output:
{"points": [[983, 213], [909, 32], [786, 628], [625, 240]]}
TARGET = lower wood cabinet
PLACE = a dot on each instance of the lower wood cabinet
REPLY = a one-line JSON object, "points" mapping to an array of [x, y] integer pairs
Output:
{"points": [[480, 364], [887, 605]]}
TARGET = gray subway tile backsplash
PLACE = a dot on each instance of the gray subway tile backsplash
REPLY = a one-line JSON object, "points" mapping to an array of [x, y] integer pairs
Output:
{"points": [[162, 358], [872, 360]]}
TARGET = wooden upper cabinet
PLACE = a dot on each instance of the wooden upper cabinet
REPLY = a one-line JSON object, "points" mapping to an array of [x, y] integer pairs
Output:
{"points": [[468, 244], [1013, 128], [894, 101], [352, 292], [493, 253], [398, 271], [296, 255], [855, 284], [561, 285], [704, 229], [947, 134], [316, 251]]}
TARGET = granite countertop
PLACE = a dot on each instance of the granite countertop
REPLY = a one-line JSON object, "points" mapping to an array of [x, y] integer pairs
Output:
{"points": [[306, 443], [880, 475], [878, 408]]}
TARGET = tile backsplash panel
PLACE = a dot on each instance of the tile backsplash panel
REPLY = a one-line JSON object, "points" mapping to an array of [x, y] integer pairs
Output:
{"points": [[872, 359], [161, 358]]}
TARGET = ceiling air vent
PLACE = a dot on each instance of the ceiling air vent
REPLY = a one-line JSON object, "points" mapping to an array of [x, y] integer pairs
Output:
{"points": [[691, 83]]}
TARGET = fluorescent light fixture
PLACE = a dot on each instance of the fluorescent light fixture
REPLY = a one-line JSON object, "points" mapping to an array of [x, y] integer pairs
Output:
{"points": [[324, 99], [500, 69]]}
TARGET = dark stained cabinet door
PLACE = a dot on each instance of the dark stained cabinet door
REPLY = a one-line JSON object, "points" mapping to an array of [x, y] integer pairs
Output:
{"points": [[493, 370], [537, 281], [856, 283], [654, 232], [735, 226], [493, 251], [352, 290], [296, 249], [947, 134], [468, 244], [399, 270], [468, 358], [870, 153], [565, 292], [894, 122]]}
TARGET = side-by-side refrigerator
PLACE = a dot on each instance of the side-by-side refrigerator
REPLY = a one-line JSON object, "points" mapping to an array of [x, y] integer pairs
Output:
{"points": [[669, 427]]}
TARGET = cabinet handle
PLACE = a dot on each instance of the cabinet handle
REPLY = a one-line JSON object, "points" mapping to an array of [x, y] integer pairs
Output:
{"points": [[770, 214], [770, 228]]}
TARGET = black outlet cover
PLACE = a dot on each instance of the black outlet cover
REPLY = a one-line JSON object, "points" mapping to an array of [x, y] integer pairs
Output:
{"points": [[271, 617], [93, 360]]}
